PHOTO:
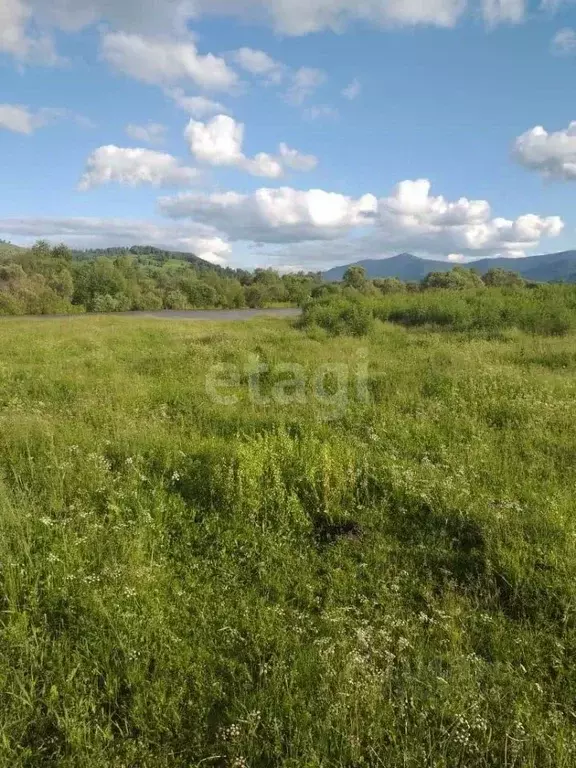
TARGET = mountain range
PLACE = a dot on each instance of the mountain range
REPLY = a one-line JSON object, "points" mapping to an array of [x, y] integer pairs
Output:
{"points": [[559, 267]]}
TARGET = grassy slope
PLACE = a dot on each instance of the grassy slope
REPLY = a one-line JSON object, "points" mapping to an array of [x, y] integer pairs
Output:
{"points": [[9, 248], [186, 584]]}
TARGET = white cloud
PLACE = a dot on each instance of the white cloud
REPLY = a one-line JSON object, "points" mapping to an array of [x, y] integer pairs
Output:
{"points": [[305, 81], [104, 233], [21, 119], [16, 118], [151, 133], [301, 17], [220, 143], [260, 64], [504, 11], [134, 167], [353, 90], [164, 62], [274, 215], [263, 164], [564, 42], [13, 19], [410, 219], [551, 154], [296, 160], [320, 112], [16, 38], [213, 249], [26, 26], [197, 106]]}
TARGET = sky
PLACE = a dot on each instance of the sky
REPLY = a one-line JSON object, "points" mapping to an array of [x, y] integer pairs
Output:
{"points": [[294, 134]]}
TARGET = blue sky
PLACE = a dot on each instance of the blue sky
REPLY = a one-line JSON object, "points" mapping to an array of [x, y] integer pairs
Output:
{"points": [[293, 134]]}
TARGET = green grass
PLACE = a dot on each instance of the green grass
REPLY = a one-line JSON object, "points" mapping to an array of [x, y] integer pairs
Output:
{"points": [[187, 584]]}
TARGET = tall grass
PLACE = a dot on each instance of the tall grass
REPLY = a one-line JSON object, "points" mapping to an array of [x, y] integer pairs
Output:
{"points": [[186, 584], [544, 309]]}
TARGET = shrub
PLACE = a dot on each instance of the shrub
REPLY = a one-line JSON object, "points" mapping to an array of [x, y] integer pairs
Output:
{"points": [[339, 316], [547, 310]]}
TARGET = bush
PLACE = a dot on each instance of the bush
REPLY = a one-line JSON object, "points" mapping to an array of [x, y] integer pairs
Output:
{"points": [[389, 285], [176, 300], [339, 316]]}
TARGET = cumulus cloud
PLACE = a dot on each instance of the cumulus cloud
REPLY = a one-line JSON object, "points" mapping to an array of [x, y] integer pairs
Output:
{"points": [[134, 167], [26, 26], [151, 133], [263, 164], [260, 64], [353, 90], [409, 219], [564, 42], [413, 219], [551, 154], [91, 232], [220, 143], [274, 215], [164, 62], [197, 106]]}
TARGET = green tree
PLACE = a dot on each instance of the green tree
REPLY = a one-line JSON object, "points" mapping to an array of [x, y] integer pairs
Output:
{"points": [[503, 278], [62, 252], [325, 289], [355, 277], [389, 285], [458, 278], [257, 296], [176, 300]]}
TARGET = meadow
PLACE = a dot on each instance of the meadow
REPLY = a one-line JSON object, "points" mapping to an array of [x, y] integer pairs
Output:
{"points": [[202, 567]]}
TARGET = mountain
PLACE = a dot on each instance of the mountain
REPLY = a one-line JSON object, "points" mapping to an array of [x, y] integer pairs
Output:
{"points": [[545, 268], [404, 266]]}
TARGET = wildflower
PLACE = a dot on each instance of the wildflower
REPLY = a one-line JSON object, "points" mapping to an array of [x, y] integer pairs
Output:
{"points": [[230, 733], [175, 476], [129, 461]]}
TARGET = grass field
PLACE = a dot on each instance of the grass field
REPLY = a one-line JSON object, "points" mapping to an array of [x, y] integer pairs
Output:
{"points": [[306, 578]]}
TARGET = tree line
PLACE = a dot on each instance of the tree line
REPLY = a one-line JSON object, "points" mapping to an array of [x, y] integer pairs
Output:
{"points": [[49, 279], [458, 278]]}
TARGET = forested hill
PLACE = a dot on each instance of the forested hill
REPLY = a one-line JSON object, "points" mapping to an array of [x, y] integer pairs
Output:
{"points": [[147, 252], [49, 279]]}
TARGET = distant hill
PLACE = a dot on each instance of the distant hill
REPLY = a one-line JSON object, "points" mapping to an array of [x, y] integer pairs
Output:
{"points": [[143, 252], [545, 268]]}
